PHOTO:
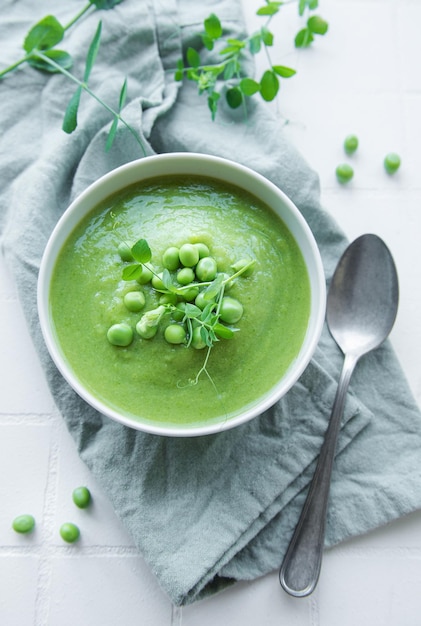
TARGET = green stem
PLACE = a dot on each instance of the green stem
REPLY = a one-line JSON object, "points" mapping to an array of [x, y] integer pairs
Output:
{"points": [[78, 16], [84, 86], [14, 66]]}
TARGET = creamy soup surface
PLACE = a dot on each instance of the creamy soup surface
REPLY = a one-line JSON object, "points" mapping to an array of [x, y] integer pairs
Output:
{"points": [[151, 379]]}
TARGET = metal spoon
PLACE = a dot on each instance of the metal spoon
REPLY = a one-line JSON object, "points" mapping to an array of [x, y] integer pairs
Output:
{"points": [[362, 305]]}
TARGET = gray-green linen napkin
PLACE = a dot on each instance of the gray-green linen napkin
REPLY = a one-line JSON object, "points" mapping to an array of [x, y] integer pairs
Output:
{"points": [[208, 511]]}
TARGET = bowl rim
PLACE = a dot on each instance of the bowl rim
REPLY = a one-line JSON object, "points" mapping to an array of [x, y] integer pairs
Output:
{"points": [[188, 163]]}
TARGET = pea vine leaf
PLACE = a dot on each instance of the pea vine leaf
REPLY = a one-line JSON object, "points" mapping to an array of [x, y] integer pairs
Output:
{"points": [[228, 77]]}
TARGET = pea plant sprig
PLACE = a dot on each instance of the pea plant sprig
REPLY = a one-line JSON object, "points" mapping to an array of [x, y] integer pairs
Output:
{"points": [[41, 53], [229, 74], [199, 324]]}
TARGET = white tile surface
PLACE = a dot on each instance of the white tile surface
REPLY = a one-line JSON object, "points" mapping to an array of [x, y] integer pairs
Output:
{"points": [[363, 77]]}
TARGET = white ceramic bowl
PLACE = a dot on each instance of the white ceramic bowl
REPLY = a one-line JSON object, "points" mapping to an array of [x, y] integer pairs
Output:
{"points": [[228, 172]]}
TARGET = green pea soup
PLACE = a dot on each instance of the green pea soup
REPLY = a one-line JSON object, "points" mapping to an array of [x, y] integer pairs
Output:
{"points": [[151, 380]]}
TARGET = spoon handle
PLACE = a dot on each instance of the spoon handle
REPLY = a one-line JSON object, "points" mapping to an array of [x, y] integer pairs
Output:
{"points": [[300, 569]]}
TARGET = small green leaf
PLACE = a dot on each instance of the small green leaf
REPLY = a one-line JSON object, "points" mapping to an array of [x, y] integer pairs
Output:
{"points": [[282, 70], [123, 95], [267, 36], [193, 57], [213, 26], [317, 25], [223, 331], [307, 4], [213, 103], [303, 38], [141, 251], [237, 43], [105, 4], [249, 86], [208, 42], [230, 50], [167, 280], [270, 9], [92, 52], [269, 86], [192, 311], [234, 97], [255, 43], [60, 57], [111, 135], [70, 115], [45, 34], [214, 288], [132, 272], [179, 72], [230, 69]]}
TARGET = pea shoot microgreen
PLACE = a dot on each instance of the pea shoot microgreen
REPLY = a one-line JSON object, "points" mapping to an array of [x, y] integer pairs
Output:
{"points": [[228, 75], [204, 325], [41, 53]]}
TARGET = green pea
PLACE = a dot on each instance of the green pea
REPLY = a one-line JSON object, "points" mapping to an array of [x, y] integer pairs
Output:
{"points": [[146, 275], [350, 144], [190, 294], [206, 268], [344, 173], [175, 334], [392, 162], [81, 497], [69, 532], [185, 276], [120, 335], [189, 254], [201, 301], [197, 340], [168, 298], [23, 523], [134, 301], [231, 310], [171, 258], [179, 312], [240, 264], [202, 248], [125, 251], [157, 281]]}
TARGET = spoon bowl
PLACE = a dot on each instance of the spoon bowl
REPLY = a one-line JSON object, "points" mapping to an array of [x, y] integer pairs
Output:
{"points": [[362, 304]]}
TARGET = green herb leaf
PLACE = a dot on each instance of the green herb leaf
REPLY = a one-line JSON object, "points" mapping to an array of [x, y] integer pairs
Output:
{"points": [[267, 36], [270, 9], [192, 311], [70, 115], [45, 34], [123, 95], [230, 69], [317, 25], [269, 85], [234, 97], [62, 58], [141, 251], [255, 43], [282, 70], [249, 86], [179, 72], [132, 272], [223, 331], [303, 38], [111, 135], [213, 103], [105, 4], [92, 52], [208, 42], [193, 57], [213, 26], [214, 288], [168, 284]]}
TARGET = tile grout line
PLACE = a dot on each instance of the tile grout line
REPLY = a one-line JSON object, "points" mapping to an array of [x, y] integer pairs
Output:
{"points": [[42, 599]]}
